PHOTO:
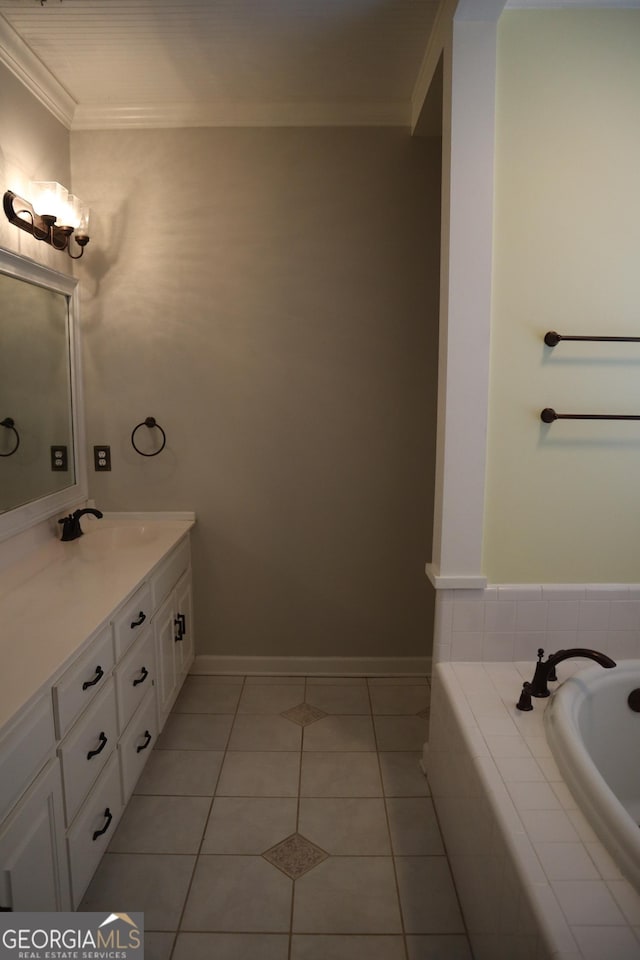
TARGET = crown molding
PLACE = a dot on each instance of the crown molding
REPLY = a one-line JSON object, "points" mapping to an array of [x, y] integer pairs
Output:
{"points": [[17, 56], [23, 63], [121, 116]]}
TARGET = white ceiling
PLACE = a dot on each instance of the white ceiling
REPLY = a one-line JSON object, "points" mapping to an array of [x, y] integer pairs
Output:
{"points": [[101, 63]]}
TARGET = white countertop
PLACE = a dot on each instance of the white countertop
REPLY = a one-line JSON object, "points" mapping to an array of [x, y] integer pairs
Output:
{"points": [[53, 600]]}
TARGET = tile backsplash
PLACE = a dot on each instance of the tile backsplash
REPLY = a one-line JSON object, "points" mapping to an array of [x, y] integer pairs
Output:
{"points": [[511, 621]]}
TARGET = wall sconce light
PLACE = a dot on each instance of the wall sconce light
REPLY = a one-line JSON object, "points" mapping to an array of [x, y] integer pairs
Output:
{"points": [[54, 216]]}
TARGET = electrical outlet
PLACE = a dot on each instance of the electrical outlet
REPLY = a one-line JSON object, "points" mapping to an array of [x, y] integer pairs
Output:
{"points": [[102, 458], [59, 457]]}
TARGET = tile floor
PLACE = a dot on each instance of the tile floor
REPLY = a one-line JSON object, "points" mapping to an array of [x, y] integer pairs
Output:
{"points": [[286, 819]]}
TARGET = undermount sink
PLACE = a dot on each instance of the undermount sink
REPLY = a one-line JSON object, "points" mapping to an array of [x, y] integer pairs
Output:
{"points": [[106, 536]]}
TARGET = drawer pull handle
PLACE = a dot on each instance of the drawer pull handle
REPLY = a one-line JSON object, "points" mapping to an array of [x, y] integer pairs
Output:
{"points": [[91, 683], [103, 743], [181, 624], [144, 745], [109, 816], [143, 676], [141, 619]]}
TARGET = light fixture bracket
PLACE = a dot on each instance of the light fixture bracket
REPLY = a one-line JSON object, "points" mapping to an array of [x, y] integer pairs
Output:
{"points": [[43, 227]]}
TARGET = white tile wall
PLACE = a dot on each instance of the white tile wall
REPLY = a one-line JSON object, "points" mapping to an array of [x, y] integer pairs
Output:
{"points": [[511, 621], [534, 880]]}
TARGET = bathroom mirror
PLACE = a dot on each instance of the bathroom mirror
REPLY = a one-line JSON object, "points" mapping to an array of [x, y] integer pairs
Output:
{"points": [[42, 469]]}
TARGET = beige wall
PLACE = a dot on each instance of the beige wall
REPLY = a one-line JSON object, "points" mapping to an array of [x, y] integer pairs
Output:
{"points": [[270, 296], [562, 501]]}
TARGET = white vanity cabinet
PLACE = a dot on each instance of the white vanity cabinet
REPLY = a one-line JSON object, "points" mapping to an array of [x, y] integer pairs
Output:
{"points": [[70, 759]]}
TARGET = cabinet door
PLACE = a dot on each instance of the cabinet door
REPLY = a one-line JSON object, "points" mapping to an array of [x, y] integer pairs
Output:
{"points": [[33, 864], [184, 618], [25, 748], [166, 633]]}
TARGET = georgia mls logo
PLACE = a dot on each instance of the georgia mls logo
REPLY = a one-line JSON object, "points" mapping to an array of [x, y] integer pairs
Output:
{"points": [[71, 936], [135, 938]]}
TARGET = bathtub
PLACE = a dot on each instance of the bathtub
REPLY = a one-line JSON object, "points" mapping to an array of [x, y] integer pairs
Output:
{"points": [[595, 738], [535, 879]]}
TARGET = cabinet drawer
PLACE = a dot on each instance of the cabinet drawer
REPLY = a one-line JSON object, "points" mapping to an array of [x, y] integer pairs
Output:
{"points": [[90, 834], [134, 676], [132, 620], [25, 747], [137, 743], [87, 748], [82, 682], [169, 573]]}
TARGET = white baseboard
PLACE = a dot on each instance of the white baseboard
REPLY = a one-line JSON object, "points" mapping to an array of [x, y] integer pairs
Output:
{"points": [[313, 666]]}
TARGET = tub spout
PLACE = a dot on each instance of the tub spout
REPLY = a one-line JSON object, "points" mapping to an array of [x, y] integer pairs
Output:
{"points": [[545, 669]]}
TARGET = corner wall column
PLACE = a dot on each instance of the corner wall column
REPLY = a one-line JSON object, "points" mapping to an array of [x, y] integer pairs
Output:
{"points": [[465, 299]]}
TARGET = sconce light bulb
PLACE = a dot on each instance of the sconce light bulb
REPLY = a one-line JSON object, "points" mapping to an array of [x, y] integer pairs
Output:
{"points": [[48, 198], [83, 222], [69, 216]]}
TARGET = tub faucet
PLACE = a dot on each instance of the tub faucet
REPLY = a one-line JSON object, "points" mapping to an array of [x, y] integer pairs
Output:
{"points": [[545, 670], [71, 528]]}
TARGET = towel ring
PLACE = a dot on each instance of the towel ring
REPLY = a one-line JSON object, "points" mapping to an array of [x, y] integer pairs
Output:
{"points": [[10, 424], [149, 422]]}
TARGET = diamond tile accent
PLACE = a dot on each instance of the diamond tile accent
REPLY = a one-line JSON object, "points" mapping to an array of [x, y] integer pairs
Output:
{"points": [[303, 714], [295, 856]]}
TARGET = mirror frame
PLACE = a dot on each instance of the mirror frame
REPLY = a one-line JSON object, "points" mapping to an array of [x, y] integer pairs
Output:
{"points": [[29, 514]]}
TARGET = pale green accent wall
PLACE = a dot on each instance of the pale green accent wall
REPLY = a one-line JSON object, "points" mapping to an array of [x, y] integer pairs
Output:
{"points": [[562, 501]]}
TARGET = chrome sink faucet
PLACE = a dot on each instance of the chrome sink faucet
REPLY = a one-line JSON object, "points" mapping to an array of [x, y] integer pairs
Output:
{"points": [[546, 671], [71, 528]]}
